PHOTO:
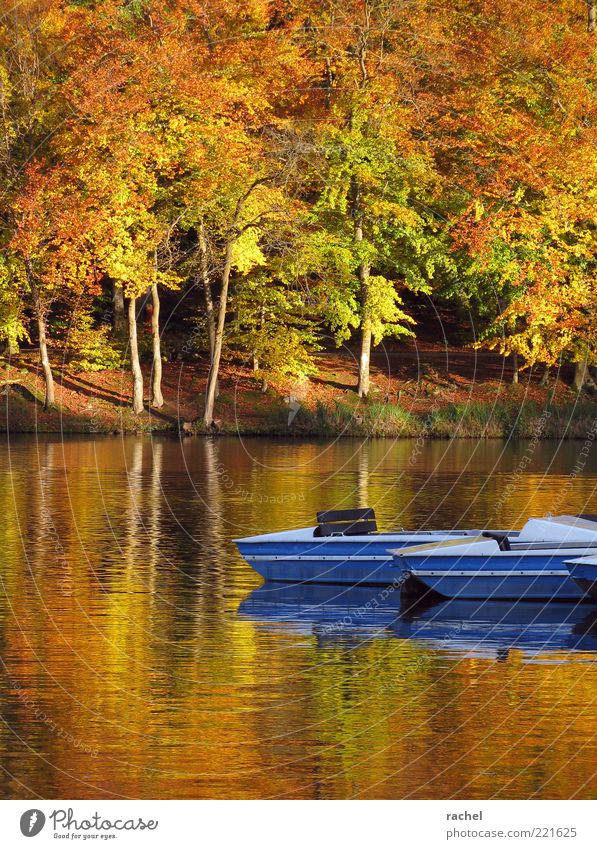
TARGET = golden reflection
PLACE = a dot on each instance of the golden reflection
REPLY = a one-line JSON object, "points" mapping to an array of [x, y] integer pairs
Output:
{"points": [[127, 671]]}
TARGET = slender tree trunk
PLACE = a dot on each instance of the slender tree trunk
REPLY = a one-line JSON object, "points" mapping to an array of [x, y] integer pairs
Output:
{"points": [[364, 268], [214, 369], [364, 273], [212, 378], [209, 302], [45, 360], [591, 21], [365, 353], [255, 356], [580, 373], [40, 315], [157, 399], [135, 364], [514, 368], [118, 320]]}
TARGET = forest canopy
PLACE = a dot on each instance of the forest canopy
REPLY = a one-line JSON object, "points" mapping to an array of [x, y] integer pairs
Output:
{"points": [[307, 167]]}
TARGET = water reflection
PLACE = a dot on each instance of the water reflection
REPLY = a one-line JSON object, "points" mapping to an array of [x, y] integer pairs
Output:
{"points": [[489, 629], [138, 661]]}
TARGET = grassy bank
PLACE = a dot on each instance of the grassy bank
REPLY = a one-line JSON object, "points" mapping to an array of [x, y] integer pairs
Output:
{"points": [[471, 397], [477, 419]]}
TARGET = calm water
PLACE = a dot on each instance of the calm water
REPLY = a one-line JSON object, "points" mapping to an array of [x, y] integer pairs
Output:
{"points": [[138, 660]]}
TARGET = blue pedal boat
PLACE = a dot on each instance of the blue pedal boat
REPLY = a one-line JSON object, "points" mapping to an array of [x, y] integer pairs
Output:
{"points": [[343, 548], [529, 566], [583, 572]]}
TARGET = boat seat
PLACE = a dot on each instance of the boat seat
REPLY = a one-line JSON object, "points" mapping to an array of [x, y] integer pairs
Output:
{"points": [[345, 522], [501, 539]]}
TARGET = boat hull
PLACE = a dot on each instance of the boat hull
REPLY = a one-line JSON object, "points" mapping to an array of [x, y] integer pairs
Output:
{"points": [[299, 557], [530, 576], [322, 571], [585, 577]]}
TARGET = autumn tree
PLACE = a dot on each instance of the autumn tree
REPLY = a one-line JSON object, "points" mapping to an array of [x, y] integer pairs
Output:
{"points": [[31, 107], [231, 93], [128, 144], [519, 141], [376, 173], [49, 249]]}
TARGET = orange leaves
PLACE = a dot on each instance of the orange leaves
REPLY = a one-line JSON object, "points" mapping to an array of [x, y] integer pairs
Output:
{"points": [[126, 126], [517, 133], [50, 231]]}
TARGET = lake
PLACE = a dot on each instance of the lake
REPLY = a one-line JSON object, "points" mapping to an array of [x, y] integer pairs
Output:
{"points": [[138, 660]]}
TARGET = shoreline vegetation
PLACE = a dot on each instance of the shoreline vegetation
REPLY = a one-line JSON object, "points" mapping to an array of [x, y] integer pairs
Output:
{"points": [[456, 393]]}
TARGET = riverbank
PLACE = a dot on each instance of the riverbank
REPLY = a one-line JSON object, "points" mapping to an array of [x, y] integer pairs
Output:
{"points": [[435, 394]]}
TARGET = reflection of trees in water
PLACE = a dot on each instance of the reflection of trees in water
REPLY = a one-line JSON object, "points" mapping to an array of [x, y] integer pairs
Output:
{"points": [[209, 570], [363, 477], [147, 661], [155, 512], [135, 530]]}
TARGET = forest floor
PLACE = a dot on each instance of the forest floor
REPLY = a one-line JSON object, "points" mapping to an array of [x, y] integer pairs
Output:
{"points": [[431, 392]]}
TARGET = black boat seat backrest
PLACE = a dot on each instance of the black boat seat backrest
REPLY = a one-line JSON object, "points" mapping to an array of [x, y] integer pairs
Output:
{"points": [[345, 522], [501, 539]]}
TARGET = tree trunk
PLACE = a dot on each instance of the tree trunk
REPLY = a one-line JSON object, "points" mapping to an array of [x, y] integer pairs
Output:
{"points": [[209, 302], [204, 275], [135, 364], [212, 378], [364, 272], [365, 354], [514, 368], [254, 355], [45, 360], [591, 16], [214, 369], [157, 399], [118, 321], [580, 373], [40, 315]]}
